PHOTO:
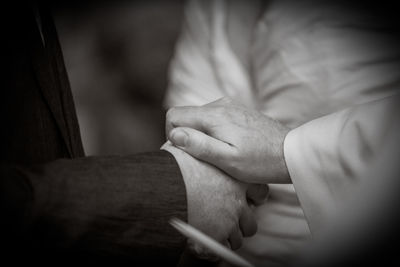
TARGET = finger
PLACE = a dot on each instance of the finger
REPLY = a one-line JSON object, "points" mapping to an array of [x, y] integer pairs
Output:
{"points": [[202, 146], [190, 116], [236, 239], [201, 252], [257, 193], [247, 223], [226, 244]]}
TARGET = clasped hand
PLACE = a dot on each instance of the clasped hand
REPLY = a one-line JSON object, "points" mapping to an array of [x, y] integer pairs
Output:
{"points": [[217, 204], [244, 143], [226, 138]]}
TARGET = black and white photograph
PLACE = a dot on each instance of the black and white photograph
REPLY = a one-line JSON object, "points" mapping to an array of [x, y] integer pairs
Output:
{"points": [[212, 133]]}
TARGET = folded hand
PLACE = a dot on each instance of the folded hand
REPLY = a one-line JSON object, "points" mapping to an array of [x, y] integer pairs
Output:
{"points": [[217, 204], [244, 143]]}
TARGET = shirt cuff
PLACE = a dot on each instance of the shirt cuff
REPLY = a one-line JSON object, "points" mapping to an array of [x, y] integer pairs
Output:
{"points": [[304, 163]]}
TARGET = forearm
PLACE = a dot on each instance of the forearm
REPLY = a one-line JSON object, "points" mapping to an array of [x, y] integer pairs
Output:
{"points": [[101, 205]]}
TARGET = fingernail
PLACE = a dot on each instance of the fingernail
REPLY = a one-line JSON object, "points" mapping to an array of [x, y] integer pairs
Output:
{"points": [[179, 137]]}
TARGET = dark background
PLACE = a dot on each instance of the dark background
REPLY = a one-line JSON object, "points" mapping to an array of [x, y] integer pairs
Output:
{"points": [[117, 55]]}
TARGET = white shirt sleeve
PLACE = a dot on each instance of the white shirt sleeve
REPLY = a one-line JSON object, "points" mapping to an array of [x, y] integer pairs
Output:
{"points": [[328, 156], [205, 67], [191, 76]]}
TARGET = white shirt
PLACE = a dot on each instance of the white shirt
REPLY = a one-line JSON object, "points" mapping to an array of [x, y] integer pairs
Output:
{"points": [[324, 71]]}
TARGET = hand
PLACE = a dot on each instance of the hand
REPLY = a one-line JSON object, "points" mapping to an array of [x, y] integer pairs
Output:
{"points": [[217, 203], [244, 143]]}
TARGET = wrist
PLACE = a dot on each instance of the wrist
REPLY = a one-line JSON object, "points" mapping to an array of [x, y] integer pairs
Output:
{"points": [[188, 171], [283, 169], [180, 158]]}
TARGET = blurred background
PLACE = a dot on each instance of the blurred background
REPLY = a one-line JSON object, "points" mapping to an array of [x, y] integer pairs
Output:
{"points": [[117, 55]]}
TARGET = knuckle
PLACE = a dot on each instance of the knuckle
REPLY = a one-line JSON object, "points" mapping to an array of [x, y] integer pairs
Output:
{"points": [[201, 252], [232, 219], [204, 150], [196, 249], [240, 202], [237, 210], [172, 115], [235, 156], [240, 206], [233, 166]]}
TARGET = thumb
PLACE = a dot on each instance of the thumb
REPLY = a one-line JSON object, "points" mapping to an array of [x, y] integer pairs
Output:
{"points": [[202, 146]]}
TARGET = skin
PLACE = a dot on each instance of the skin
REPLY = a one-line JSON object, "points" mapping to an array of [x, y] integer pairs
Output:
{"points": [[243, 143], [217, 204]]}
